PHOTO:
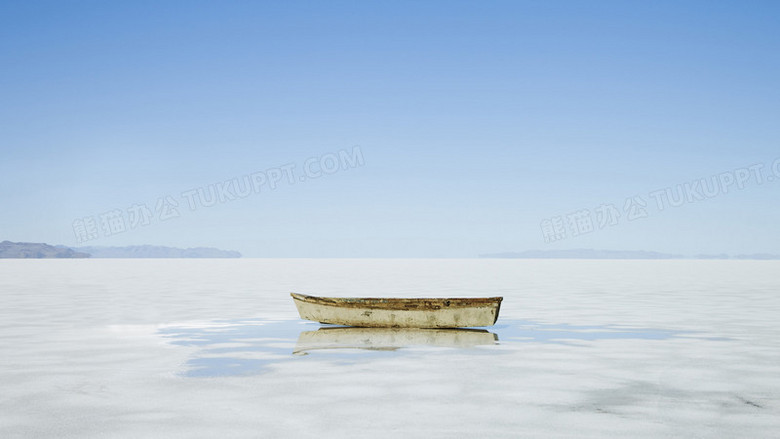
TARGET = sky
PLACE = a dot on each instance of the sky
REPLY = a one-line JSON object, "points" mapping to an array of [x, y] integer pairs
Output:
{"points": [[399, 129]]}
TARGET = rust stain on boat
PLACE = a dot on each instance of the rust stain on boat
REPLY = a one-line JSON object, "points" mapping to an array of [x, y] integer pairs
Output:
{"points": [[398, 303], [399, 312]]}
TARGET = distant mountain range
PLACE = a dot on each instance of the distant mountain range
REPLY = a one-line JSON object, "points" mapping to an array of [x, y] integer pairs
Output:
{"points": [[588, 253], [756, 256], [156, 251], [10, 249], [26, 250]]}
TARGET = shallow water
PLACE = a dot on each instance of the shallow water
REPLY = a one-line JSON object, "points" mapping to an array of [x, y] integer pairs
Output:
{"points": [[250, 346], [205, 348]]}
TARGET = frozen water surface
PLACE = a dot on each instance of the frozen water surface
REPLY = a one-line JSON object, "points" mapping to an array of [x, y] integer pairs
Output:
{"points": [[214, 348]]}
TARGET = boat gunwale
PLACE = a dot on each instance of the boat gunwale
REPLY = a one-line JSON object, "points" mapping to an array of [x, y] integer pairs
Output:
{"points": [[400, 303]]}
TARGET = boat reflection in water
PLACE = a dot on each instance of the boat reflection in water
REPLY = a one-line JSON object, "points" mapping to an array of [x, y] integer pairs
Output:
{"points": [[390, 339]]}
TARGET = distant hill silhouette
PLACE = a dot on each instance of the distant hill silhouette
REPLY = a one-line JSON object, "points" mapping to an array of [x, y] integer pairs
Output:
{"points": [[759, 256], [156, 251], [36, 250], [582, 253], [718, 256], [588, 253]]}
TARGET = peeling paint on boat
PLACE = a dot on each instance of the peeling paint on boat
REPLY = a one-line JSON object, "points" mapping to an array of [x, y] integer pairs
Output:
{"points": [[399, 312]]}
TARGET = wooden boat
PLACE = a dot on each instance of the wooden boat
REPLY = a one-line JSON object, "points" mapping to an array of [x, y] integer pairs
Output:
{"points": [[399, 312], [390, 339]]}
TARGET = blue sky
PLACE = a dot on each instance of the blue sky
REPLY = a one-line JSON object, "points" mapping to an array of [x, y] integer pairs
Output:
{"points": [[477, 121]]}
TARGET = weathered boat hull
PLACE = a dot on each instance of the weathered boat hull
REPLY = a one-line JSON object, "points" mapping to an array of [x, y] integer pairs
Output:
{"points": [[399, 312]]}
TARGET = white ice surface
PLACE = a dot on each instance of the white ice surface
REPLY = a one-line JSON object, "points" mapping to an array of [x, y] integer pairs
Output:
{"points": [[116, 348]]}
